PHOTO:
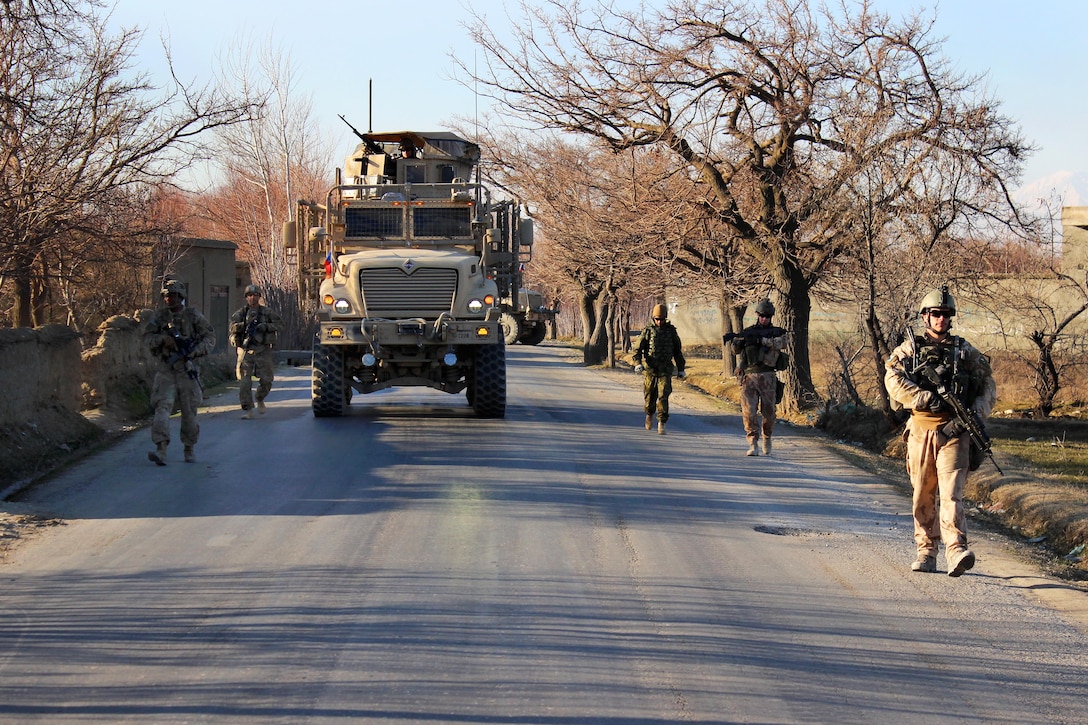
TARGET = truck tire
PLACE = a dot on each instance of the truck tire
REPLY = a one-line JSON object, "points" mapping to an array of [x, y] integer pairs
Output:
{"points": [[511, 327], [534, 335], [327, 393], [489, 386]]}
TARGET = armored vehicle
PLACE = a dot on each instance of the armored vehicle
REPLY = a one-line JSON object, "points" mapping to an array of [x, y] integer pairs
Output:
{"points": [[525, 317], [403, 257]]}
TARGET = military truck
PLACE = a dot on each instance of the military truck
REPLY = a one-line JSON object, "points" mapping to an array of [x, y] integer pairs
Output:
{"points": [[525, 317], [402, 258]]}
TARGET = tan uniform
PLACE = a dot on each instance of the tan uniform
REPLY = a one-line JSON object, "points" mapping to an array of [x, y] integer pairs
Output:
{"points": [[938, 465], [756, 377]]}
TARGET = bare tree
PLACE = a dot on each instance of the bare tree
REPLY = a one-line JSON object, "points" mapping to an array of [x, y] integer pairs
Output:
{"points": [[277, 155], [608, 233], [778, 107], [81, 139]]}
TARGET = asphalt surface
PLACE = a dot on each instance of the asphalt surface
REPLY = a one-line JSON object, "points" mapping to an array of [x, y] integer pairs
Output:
{"points": [[411, 563]]}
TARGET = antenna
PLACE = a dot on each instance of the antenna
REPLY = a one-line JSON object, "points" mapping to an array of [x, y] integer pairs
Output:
{"points": [[370, 105]]}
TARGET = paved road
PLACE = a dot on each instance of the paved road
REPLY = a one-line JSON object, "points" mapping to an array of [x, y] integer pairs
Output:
{"points": [[411, 563]]}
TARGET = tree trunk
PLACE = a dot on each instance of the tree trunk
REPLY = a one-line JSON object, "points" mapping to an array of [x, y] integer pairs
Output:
{"points": [[800, 393]]}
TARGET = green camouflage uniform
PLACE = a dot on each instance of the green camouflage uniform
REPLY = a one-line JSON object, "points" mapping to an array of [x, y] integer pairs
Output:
{"points": [[172, 380], [656, 349], [255, 356]]}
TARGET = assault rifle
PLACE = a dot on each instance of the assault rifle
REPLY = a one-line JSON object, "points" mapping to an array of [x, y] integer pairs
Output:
{"points": [[183, 353], [251, 330], [752, 337], [965, 420]]}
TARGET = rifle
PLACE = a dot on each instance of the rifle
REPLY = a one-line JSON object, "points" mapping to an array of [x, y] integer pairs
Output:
{"points": [[751, 337], [965, 420], [184, 352], [251, 330]]}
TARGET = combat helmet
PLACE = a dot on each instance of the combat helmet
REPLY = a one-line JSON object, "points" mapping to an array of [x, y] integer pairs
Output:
{"points": [[660, 311], [252, 290], [765, 307], [939, 298], [173, 286]]}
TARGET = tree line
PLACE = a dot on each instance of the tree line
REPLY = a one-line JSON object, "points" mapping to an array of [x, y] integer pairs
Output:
{"points": [[732, 149]]}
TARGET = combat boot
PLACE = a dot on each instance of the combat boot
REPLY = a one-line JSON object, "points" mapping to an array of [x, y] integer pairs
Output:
{"points": [[649, 421], [661, 427], [766, 446], [752, 451], [190, 457], [960, 561], [925, 563], [158, 456], [260, 407], [248, 415]]}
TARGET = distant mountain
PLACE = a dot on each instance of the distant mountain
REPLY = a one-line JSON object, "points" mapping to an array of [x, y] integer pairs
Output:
{"points": [[1064, 188]]}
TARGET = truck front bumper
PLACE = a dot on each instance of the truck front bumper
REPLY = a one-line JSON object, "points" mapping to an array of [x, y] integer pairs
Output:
{"points": [[409, 332]]}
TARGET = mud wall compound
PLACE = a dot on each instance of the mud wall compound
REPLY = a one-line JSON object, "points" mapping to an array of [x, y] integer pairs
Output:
{"points": [[39, 369]]}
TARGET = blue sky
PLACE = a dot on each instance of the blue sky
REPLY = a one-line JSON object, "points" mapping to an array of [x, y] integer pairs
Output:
{"points": [[1033, 52]]}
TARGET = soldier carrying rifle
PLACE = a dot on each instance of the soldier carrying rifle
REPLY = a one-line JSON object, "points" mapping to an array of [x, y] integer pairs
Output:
{"points": [[253, 330], [176, 335], [949, 388], [760, 351]]}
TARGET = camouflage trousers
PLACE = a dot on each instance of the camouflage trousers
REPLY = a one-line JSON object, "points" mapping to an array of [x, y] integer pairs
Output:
{"points": [[938, 472], [656, 390], [168, 386], [757, 399], [260, 364]]}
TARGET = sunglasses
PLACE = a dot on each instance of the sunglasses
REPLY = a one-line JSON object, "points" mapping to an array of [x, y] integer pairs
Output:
{"points": [[940, 313]]}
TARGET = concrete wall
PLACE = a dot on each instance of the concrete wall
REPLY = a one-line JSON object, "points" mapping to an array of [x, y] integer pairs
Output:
{"points": [[210, 275]]}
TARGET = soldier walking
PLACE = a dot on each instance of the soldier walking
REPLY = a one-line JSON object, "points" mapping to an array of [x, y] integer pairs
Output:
{"points": [[657, 347], [176, 335], [938, 448], [253, 330], [759, 348]]}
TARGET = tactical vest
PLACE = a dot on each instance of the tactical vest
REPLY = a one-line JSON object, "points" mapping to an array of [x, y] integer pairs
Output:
{"points": [[660, 347], [948, 359]]}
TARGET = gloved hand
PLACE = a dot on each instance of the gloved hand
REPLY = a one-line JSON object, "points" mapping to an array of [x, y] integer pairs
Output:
{"points": [[928, 400], [639, 368], [682, 374], [922, 400]]}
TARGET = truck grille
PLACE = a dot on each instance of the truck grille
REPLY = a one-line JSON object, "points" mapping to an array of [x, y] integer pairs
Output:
{"points": [[424, 292]]}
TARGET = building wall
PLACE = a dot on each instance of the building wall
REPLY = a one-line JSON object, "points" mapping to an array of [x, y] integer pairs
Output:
{"points": [[208, 270]]}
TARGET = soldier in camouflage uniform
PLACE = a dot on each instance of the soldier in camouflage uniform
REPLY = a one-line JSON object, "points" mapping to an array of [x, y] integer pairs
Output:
{"points": [[176, 335], [938, 449], [657, 347], [253, 330], [759, 348]]}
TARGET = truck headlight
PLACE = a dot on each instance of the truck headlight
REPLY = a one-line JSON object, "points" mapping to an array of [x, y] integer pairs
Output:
{"points": [[342, 306], [475, 306]]}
